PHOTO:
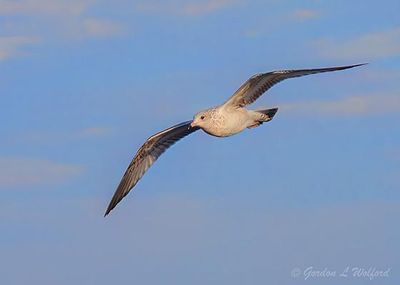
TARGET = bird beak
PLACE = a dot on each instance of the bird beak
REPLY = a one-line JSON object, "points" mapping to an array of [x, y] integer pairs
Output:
{"points": [[192, 125]]}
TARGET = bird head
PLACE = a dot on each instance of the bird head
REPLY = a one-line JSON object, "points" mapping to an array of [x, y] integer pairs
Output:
{"points": [[200, 119]]}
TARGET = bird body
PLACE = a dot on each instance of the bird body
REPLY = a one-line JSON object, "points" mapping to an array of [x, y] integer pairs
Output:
{"points": [[224, 120], [220, 122]]}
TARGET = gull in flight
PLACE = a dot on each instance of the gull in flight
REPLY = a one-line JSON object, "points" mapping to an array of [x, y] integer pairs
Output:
{"points": [[221, 121]]}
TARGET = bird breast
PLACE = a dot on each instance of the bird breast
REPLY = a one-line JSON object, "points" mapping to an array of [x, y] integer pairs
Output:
{"points": [[225, 123]]}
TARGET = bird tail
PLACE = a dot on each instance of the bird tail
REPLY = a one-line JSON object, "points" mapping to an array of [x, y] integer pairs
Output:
{"points": [[269, 113]]}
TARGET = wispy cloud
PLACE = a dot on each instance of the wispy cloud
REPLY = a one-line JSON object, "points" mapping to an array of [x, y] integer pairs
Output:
{"points": [[49, 7], [92, 132], [305, 14], [32, 172], [365, 47], [101, 28], [386, 75], [51, 20], [10, 46], [368, 104], [277, 21], [205, 7], [190, 8], [65, 136], [67, 13]]}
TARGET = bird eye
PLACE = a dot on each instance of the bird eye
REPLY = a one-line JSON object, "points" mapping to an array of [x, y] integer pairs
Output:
{"points": [[202, 117]]}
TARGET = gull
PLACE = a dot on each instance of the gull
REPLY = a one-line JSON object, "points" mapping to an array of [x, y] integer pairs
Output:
{"points": [[223, 120]]}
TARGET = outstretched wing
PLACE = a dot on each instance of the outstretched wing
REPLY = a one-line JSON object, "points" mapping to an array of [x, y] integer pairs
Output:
{"points": [[150, 151], [259, 83]]}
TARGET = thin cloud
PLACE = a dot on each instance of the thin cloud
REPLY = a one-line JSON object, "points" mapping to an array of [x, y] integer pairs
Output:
{"points": [[206, 7], [305, 14], [360, 105], [386, 75], [101, 28], [66, 136], [376, 45], [93, 132], [33, 172], [50, 7], [252, 33], [185, 9], [277, 21], [51, 19], [10, 46]]}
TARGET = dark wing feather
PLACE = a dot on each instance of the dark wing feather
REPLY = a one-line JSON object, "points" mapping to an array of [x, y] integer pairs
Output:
{"points": [[253, 88], [146, 156]]}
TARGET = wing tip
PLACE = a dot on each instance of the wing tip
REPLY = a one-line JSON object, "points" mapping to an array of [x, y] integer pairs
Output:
{"points": [[343, 67], [108, 211], [358, 64], [112, 205]]}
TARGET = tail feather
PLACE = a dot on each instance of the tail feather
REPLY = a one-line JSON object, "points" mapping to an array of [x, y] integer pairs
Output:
{"points": [[270, 113], [262, 116]]}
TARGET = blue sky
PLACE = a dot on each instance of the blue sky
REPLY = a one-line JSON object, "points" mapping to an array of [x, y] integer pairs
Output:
{"points": [[84, 82]]}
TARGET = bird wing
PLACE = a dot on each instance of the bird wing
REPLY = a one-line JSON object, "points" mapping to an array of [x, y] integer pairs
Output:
{"points": [[255, 86], [149, 152]]}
